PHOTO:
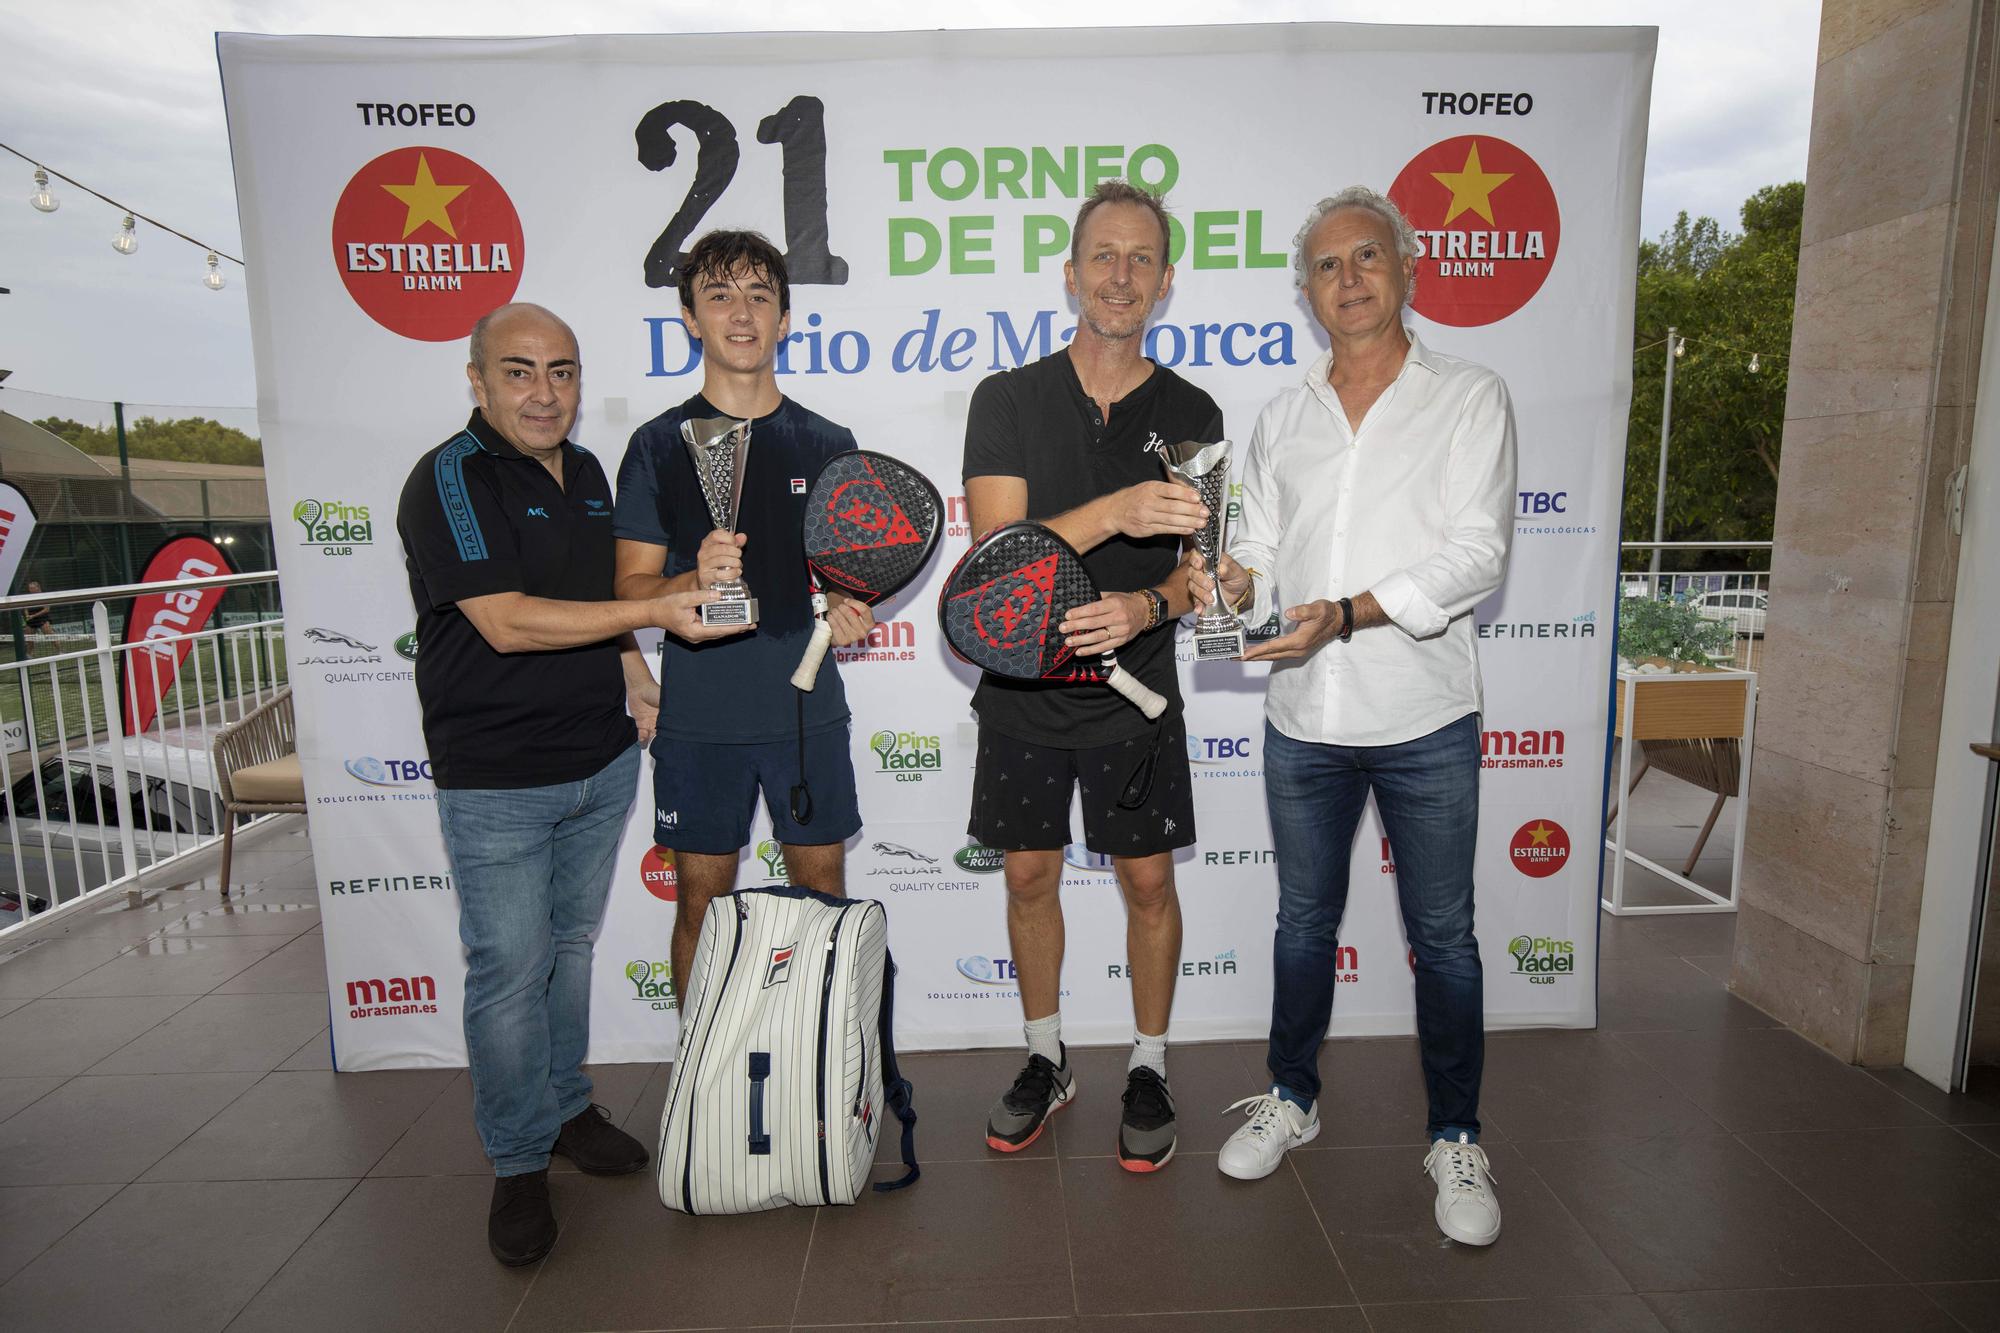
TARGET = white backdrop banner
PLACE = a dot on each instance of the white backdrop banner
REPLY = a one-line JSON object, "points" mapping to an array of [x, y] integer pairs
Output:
{"points": [[923, 185]]}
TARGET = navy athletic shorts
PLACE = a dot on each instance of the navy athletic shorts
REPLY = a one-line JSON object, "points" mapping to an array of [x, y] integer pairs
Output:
{"points": [[704, 793]]}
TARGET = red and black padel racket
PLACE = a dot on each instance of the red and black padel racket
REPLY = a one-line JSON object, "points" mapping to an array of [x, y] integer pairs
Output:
{"points": [[1001, 608], [870, 527]]}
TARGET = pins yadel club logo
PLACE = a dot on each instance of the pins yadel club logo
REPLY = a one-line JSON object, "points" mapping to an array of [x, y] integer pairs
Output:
{"points": [[426, 242], [1539, 849], [1487, 228], [1541, 959], [772, 854], [907, 755], [652, 982]]}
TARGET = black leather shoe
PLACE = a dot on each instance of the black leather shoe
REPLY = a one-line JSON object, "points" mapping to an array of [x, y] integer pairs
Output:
{"points": [[520, 1226], [598, 1147]]}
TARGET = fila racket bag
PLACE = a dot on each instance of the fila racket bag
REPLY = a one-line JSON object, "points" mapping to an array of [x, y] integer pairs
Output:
{"points": [[786, 1057]]}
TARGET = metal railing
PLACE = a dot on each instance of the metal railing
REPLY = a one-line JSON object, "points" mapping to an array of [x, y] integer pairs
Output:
{"points": [[1730, 594], [90, 810]]}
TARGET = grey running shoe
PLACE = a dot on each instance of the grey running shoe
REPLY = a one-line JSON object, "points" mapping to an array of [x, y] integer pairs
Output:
{"points": [[1040, 1090], [1146, 1132]]}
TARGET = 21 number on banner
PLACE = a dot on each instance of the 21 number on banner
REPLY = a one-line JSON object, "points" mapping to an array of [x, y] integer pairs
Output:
{"points": [[799, 129]]}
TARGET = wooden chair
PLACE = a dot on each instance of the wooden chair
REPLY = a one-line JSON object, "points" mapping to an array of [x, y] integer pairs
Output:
{"points": [[257, 769]]}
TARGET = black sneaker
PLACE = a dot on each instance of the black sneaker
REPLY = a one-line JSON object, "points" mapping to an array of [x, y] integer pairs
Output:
{"points": [[1146, 1131], [520, 1226], [1040, 1090], [598, 1147]]}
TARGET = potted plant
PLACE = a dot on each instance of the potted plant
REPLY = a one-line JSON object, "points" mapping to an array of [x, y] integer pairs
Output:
{"points": [[1669, 636]]}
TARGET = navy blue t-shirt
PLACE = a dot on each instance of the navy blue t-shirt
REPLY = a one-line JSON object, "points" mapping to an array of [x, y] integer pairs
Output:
{"points": [[738, 689]]}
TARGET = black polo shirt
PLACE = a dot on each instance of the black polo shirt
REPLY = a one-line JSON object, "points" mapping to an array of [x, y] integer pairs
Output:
{"points": [[478, 516], [1038, 424]]}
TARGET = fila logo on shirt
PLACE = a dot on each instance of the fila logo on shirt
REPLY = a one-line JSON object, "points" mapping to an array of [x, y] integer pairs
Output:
{"points": [[779, 970]]}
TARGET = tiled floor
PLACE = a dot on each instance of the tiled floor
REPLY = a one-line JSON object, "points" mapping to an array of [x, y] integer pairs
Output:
{"points": [[176, 1154]]}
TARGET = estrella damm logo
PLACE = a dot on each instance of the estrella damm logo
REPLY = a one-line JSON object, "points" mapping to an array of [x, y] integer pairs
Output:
{"points": [[656, 870], [1539, 848], [1487, 228], [427, 242]]}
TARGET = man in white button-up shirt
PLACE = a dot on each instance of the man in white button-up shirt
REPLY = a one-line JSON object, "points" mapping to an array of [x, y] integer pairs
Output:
{"points": [[1378, 497]]}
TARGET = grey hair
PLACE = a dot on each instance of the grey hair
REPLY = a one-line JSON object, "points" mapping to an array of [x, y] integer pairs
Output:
{"points": [[1358, 196], [476, 352]]}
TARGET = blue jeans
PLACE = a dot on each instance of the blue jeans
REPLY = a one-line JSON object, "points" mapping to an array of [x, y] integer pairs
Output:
{"points": [[533, 867], [1427, 792]]}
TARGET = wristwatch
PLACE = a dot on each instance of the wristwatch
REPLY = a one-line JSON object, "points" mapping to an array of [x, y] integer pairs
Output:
{"points": [[1156, 608]]}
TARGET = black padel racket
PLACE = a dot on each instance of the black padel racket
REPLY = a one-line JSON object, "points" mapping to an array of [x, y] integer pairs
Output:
{"points": [[871, 525], [1003, 602]]}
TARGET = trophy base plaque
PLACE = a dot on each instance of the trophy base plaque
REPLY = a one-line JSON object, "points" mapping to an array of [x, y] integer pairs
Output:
{"points": [[1217, 645], [730, 611]]}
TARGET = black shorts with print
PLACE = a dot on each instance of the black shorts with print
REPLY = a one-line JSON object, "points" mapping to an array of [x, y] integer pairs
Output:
{"points": [[1021, 790]]}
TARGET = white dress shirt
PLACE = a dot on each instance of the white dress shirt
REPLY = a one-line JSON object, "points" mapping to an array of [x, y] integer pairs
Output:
{"points": [[1417, 507]]}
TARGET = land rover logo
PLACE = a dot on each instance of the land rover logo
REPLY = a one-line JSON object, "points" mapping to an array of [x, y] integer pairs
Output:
{"points": [[406, 646], [979, 858]]}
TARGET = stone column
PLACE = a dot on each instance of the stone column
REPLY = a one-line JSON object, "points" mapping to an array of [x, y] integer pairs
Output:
{"points": [[1896, 250]]}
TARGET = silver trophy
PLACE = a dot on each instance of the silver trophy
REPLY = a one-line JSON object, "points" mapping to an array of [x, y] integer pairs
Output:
{"points": [[720, 446], [1218, 631]]}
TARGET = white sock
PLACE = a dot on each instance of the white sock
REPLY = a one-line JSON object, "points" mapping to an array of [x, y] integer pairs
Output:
{"points": [[1148, 1051], [1045, 1037]]}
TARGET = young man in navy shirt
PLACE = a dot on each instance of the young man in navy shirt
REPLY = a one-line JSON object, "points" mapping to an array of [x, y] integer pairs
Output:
{"points": [[731, 721]]}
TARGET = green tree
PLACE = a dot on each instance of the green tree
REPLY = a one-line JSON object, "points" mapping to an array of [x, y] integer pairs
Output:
{"points": [[181, 439], [1729, 295]]}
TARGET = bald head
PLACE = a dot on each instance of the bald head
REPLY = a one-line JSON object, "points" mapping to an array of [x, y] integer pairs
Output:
{"points": [[503, 317]]}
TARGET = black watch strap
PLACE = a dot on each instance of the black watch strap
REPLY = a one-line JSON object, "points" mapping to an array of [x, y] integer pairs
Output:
{"points": [[1159, 601], [1346, 619]]}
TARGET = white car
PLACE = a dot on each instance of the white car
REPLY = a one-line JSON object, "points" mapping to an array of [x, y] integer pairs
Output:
{"points": [[1741, 607]]}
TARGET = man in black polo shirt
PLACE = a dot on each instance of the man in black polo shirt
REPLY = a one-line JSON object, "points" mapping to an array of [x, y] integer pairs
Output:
{"points": [[1068, 441], [527, 670], [731, 723]]}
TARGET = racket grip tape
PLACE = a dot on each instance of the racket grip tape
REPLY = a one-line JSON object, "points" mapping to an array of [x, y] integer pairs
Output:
{"points": [[808, 673], [1137, 691]]}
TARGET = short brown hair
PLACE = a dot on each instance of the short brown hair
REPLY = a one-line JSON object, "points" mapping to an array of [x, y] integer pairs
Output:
{"points": [[721, 253], [1122, 192]]}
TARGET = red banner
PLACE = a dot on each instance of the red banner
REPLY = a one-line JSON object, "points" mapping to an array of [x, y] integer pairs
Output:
{"points": [[158, 617]]}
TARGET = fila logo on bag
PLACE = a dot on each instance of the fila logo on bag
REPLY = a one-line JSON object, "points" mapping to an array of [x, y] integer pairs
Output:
{"points": [[779, 970]]}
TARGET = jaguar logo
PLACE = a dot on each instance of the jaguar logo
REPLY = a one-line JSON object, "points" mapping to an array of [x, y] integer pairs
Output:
{"points": [[898, 849], [317, 635]]}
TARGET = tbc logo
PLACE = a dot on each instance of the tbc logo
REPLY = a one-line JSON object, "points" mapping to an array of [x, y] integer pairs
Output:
{"points": [[388, 772], [1542, 960], [1539, 849], [656, 871], [1217, 749], [779, 970], [988, 971], [333, 525], [653, 982], [397, 995], [907, 755], [1487, 228], [426, 242], [1533, 504], [1080, 857]]}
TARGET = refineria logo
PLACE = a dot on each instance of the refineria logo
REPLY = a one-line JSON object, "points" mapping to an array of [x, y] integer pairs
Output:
{"points": [[1539, 849], [910, 757], [333, 525], [426, 242], [1542, 961], [888, 641], [1222, 965], [1487, 228], [656, 872], [652, 983], [386, 999], [1521, 749]]}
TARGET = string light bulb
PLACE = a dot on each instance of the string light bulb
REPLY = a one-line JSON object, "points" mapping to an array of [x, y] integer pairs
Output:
{"points": [[43, 200], [1680, 347], [213, 279], [127, 239], [1753, 363]]}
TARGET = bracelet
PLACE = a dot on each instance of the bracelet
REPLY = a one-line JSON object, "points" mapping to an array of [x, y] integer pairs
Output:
{"points": [[1249, 589], [1346, 619], [1156, 607]]}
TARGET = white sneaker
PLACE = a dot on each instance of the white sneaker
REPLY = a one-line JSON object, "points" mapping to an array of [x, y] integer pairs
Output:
{"points": [[1275, 1126], [1466, 1210]]}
